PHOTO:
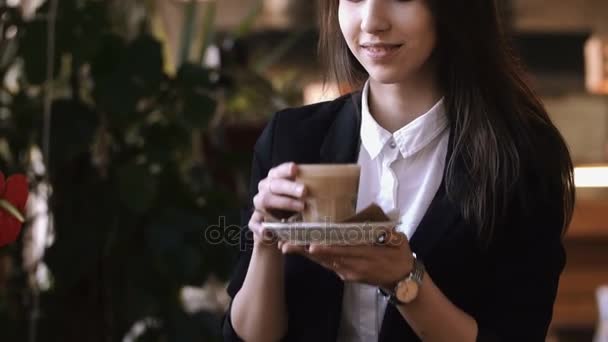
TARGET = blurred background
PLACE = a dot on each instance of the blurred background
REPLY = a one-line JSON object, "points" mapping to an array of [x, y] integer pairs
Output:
{"points": [[135, 121]]}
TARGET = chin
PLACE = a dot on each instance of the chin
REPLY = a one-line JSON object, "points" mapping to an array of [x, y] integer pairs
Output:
{"points": [[384, 74], [386, 77], [391, 75]]}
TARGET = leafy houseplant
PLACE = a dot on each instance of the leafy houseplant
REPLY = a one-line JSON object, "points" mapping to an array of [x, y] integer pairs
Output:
{"points": [[138, 171]]}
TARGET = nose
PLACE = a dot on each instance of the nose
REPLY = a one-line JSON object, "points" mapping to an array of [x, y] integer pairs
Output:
{"points": [[374, 17]]}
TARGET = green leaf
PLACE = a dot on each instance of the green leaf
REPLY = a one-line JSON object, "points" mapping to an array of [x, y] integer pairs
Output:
{"points": [[208, 26], [163, 142], [172, 240], [144, 64], [198, 108], [137, 187], [106, 61], [33, 49], [118, 99], [247, 23], [8, 207], [274, 55], [189, 14], [81, 26], [8, 52], [138, 75], [190, 75], [195, 88], [73, 127]]}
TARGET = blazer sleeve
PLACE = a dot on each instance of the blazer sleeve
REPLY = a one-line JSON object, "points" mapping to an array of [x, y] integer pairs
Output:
{"points": [[522, 284], [261, 164]]}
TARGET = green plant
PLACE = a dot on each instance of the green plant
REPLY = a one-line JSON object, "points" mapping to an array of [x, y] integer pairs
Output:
{"points": [[138, 171]]}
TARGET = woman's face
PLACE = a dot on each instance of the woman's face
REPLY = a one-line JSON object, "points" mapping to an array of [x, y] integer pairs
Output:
{"points": [[392, 39]]}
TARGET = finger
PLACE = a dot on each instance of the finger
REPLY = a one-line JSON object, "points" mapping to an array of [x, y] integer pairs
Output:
{"points": [[255, 223], [351, 269], [330, 251], [264, 201], [285, 170], [280, 186], [353, 265], [289, 248], [257, 217]]}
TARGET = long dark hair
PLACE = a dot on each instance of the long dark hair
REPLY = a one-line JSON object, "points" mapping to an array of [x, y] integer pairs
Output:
{"points": [[506, 152]]}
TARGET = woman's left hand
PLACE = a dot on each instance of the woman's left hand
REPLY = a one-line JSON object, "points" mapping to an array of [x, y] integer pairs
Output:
{"points": [[382, 265]]}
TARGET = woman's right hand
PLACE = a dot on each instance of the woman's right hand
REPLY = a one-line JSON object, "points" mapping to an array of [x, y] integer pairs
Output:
{"points": [[278, 197]]}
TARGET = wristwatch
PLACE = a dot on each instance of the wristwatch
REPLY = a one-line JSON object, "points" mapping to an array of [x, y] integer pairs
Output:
{"points": [[407, 289]]}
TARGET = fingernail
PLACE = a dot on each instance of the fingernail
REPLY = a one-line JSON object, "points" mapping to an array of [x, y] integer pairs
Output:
{"points": [[311, 249], [300, 189]]}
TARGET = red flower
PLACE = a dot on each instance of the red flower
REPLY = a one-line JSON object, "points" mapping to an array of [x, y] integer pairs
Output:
{"points": [[13, 196]]}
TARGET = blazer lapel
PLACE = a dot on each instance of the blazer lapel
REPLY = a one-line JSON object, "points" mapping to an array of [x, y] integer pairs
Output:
{"points": [[438, 219], [341, 145], [440, 216]]}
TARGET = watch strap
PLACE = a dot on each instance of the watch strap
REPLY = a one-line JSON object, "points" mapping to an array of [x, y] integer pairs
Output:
{"points": [[416, 275], [418, 272]]}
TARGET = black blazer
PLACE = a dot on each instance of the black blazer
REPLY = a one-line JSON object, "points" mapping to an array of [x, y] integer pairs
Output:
{"points": [[509, 287]]}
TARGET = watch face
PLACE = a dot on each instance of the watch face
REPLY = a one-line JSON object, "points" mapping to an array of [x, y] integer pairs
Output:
{"points": [[407, 291]]}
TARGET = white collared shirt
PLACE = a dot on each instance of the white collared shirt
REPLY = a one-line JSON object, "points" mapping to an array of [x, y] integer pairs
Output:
{"points": [[401, 172]]}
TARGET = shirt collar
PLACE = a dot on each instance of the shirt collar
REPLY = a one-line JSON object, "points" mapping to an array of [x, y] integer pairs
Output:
{"points": [[410, 138]]}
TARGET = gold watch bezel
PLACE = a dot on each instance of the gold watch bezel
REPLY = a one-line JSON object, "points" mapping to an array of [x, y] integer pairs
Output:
{"points": [[407, 290]]}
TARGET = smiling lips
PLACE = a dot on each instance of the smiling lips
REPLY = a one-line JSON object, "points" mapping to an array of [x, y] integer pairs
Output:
{"points": [[380, 51]]}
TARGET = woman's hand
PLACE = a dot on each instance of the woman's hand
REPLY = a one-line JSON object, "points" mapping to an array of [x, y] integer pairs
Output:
{"points": [[382, 265], [278, 197]]}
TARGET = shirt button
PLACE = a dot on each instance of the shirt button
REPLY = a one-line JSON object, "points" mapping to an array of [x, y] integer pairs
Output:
{"points": [[392, 145]]}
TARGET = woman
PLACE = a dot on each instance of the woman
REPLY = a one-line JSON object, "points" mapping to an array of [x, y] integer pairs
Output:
{"points": [[452, 142]]}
